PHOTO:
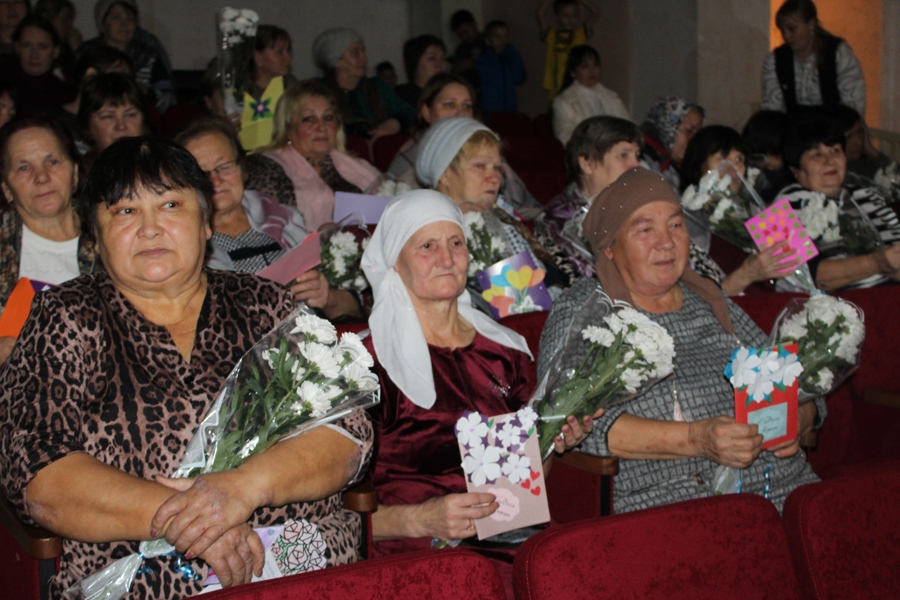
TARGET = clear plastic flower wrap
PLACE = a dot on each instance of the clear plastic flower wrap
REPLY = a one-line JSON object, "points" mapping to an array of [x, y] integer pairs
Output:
{"points": [[236, 37], [609, 354], [298, 376], [722, 201], [829, 332]]}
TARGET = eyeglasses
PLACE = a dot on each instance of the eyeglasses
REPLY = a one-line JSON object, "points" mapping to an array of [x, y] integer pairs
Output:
{"points": [[224, 169]]}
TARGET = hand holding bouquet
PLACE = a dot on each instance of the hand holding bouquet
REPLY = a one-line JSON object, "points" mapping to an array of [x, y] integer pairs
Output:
{"points": [[599, 365], [829, 332]]}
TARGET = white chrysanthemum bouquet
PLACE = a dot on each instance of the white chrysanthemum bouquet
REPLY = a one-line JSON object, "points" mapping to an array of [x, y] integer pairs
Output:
{"points": [[722, 201], [236, 35], [485, 247], [888, 180], [829, 332], [341, 254], [298, 376], [600, 364]]}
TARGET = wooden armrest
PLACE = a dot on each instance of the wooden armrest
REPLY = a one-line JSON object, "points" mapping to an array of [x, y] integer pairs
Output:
{"points": [[889, 399], [37, 542], [598, 465], [360, 498]]}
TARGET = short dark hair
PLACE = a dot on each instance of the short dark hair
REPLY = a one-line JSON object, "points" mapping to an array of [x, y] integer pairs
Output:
{"points": [[50, 8], [594, 137], [460, 18], [764, 132], [51, 124], [805, 9], [107, 88], [101, 58], [806, 134], [495, 24], [269, 35], [39, 23], [145, 162], [707, 142], [576, 57], [414, 49], [384, 66]]}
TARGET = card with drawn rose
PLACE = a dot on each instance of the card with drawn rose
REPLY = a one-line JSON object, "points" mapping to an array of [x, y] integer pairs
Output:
{"points": [[501, 456], [514, 286], [766, 382]]}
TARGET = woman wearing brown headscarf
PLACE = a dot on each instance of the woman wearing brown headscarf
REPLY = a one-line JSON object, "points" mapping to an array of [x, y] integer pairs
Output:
{"points": [[681, 431]]}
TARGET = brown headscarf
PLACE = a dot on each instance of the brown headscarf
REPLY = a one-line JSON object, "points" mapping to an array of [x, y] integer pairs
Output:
{"points": [[609, 213]]}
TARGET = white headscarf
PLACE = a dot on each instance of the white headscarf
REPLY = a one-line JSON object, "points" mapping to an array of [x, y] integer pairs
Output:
{"points": [[396, 332], [330, 45], [440, 145]]}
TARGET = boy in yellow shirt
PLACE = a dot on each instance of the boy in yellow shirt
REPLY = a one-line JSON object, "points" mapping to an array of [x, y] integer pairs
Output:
{"points": [[570, 31]]}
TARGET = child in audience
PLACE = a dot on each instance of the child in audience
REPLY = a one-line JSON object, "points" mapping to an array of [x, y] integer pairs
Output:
{"points": [[500, 69], [471, 44], [570, 31], [386, 72]]}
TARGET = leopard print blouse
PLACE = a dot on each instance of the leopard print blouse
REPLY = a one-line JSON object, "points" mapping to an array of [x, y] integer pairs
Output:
{"points": [[91, 374]]}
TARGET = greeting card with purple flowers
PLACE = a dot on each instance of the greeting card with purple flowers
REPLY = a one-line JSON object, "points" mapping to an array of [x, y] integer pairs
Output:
{"points": [[501, 456], [514, 286]]}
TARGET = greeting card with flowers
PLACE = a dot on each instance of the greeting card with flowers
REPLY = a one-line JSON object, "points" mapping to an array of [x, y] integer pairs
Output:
{"points": [[514, 286], [500, 456], [765, 384]]}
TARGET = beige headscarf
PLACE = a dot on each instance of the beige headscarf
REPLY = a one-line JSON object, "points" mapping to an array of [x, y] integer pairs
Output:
{"points": [[612, 209]]}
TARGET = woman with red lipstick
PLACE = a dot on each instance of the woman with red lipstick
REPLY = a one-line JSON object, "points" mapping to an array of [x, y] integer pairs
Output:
{"points": [[40, 235], [677, 434], [855, 231], [32, 70], [309, 146], [113, 373]]}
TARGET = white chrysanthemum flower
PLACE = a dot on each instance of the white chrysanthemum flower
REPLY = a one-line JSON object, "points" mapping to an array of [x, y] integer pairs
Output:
{"points": [[361, 376], [598, 335], [722, 209], [321, 358], [229, 14], [632, 379], [691, 200], [751, 176], [315, 329], [345, 241], [352, 342], [315, 396], [249, 447], [824, 379]]}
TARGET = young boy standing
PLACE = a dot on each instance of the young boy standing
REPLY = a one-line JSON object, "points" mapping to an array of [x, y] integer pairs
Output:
{"points": [[500, 69], [570, 31]]}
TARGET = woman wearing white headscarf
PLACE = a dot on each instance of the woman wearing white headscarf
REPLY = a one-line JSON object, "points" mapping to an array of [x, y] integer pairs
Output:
{"points": [[437, 358]]}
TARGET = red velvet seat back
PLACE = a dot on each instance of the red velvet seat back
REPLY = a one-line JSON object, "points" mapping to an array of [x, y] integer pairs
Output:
{"points": [[441, 575], [510, 123], [358, 147], [844, 535], [722, 547], [386, 148]]}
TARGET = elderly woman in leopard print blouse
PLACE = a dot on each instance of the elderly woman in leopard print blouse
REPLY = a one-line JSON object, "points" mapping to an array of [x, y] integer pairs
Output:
{"points": [[113, 372]]}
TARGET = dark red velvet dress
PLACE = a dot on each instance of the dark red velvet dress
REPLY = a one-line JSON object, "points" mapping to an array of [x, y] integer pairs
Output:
{"points": [[416, 455]]}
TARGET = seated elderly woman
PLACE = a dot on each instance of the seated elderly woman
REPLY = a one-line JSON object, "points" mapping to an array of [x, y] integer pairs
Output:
{"points": [[41, 237], [251, 230], [669, 126], [309, 146], [113, 373], [437, 357], [369, 108], [854, 230], [707, 150], [111, 107], [598, 151], [450, 95], [674, 443], [460, 158]]}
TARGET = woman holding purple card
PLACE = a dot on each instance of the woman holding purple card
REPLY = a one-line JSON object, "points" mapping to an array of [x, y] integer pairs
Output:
{"points": [[436, 357]]}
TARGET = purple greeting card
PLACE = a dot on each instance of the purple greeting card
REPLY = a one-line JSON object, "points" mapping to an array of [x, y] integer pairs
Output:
{"points": [[514, 286], [501, 456], [366, 208], [780, 222]]}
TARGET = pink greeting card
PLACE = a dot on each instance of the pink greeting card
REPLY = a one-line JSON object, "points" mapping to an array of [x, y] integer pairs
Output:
{"points": [[296, 262], [780, 222], [501, 456]]}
